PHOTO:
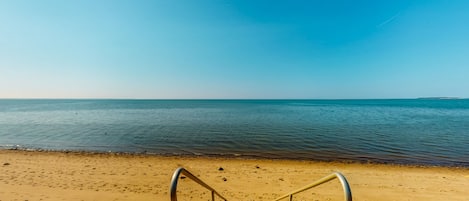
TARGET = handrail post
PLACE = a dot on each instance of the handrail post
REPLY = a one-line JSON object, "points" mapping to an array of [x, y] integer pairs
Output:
{"points": [[339, 176], [345, 186], [174, 182]]}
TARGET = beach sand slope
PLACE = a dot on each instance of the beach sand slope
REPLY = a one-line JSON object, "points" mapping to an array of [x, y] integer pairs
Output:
{"points": [[27, 175]]}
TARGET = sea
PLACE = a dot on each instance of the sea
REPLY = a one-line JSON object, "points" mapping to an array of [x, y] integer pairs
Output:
{"points": [[428, 132]]}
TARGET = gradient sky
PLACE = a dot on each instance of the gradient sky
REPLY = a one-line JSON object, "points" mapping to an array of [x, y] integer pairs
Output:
{"points": [[233, 49]]}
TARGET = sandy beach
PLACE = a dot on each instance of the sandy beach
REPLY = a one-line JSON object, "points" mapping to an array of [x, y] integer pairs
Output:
{"points": [[28, 175]]}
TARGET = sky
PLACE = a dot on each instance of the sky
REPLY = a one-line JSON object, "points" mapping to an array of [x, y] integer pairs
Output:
{"points": [[242, 49]]}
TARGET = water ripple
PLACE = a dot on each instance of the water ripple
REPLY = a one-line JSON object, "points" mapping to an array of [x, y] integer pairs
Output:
{"points": [[432, 132]]}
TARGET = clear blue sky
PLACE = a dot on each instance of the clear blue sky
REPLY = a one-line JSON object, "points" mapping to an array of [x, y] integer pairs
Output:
{"points": [[233, 49]]}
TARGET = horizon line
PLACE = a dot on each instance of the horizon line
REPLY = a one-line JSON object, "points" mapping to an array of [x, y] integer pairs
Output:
{"points": [[176, 99]]}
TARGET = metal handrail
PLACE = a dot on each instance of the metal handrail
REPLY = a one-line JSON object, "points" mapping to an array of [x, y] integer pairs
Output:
{"points": [[343, 181], [174, 183]]}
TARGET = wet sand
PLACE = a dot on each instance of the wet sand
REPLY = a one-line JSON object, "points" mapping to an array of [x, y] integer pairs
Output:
{"points": [[33, 175]]}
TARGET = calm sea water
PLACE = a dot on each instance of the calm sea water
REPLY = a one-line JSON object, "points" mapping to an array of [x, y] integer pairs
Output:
{"points": [[428, 132]]}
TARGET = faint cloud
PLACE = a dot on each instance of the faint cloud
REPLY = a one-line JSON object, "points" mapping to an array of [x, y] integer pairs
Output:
{"points": [[388, 20]]}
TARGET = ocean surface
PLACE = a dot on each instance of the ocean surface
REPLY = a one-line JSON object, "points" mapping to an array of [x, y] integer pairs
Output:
{"points": [[411, 131]]}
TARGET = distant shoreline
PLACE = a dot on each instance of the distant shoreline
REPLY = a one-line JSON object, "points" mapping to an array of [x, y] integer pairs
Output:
{"points": [[439, 98]]}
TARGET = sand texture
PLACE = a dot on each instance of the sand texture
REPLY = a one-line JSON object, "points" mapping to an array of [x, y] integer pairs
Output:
{"points": [[36, 175]]}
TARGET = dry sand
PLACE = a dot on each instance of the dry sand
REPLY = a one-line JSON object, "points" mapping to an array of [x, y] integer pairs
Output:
{"points": [[84, 176]]}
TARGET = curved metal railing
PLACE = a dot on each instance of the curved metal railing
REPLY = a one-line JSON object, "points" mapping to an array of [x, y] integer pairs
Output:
{"points": [[343, 181], [174, 183]]}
